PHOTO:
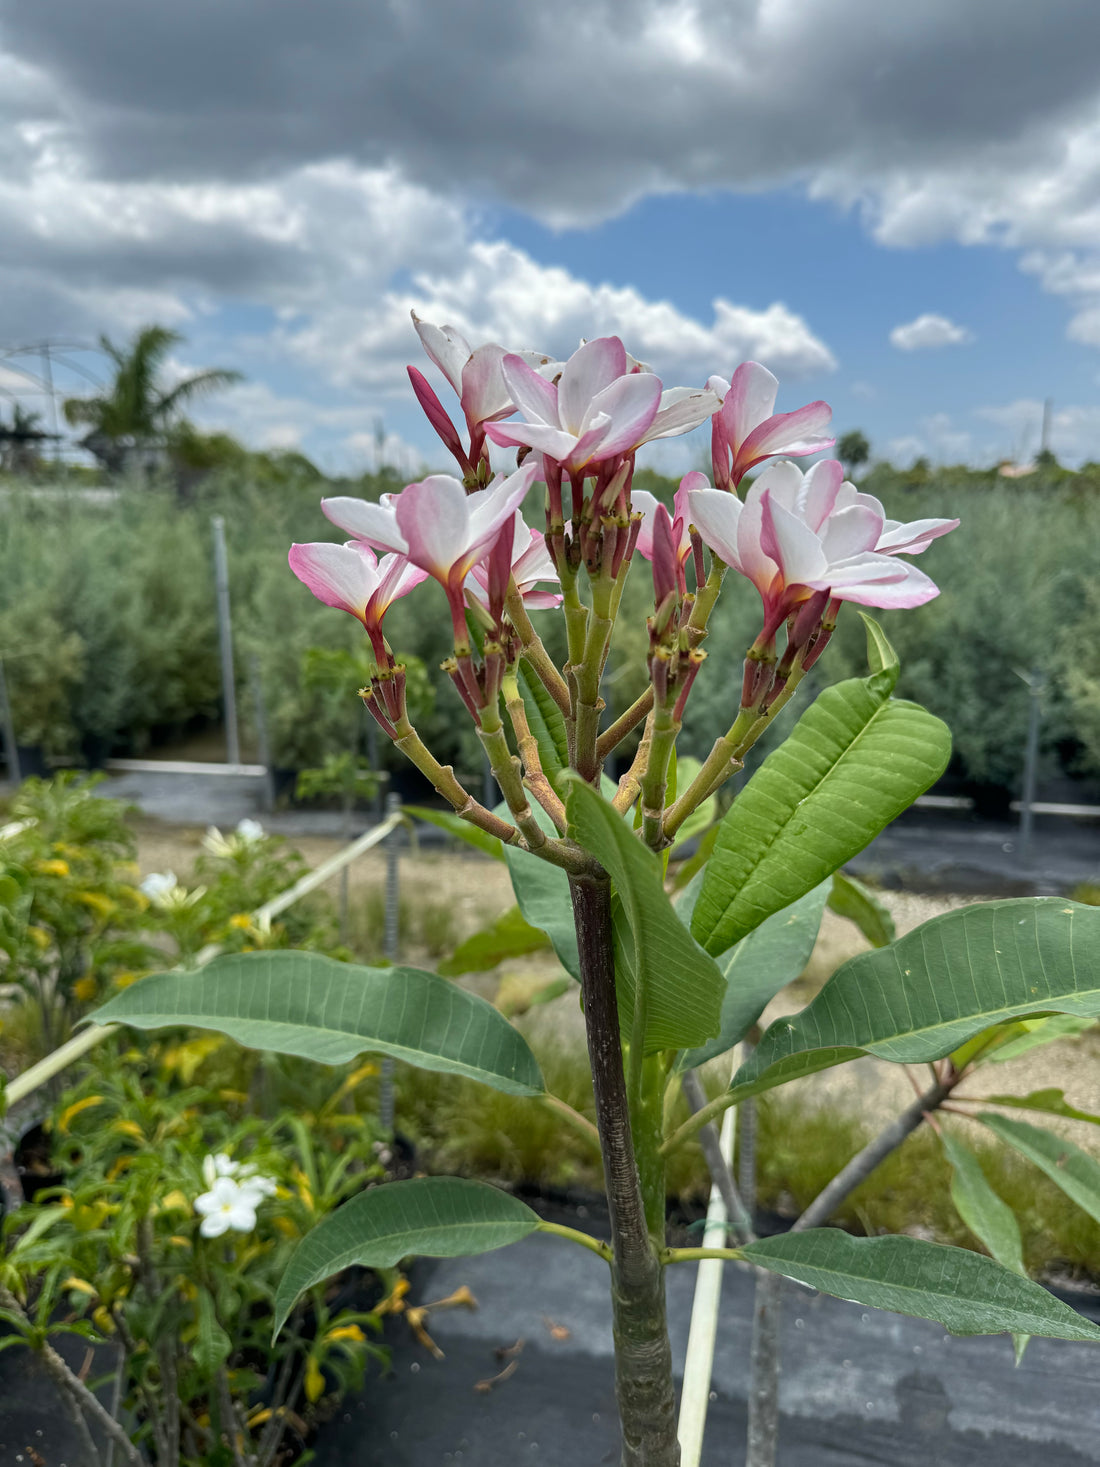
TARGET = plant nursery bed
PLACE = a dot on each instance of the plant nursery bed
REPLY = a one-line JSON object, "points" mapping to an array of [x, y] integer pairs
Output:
{"points": [[527, 1378]]}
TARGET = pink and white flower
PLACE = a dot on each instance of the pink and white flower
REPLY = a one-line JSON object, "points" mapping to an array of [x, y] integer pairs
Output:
{"points": [[373, 523], [531, 563], [799, 533], [475, 373], [676, 532], [598, 409], [352, 578], [747, 430]]}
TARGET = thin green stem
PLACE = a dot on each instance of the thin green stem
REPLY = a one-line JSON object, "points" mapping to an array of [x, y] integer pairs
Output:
{"points": [[534, 650], [692, 1255], [580, 1124], [559, 1230], [691, 1125]]}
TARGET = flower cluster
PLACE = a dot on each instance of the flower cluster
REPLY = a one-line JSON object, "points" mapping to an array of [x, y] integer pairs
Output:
{"points": [[235, 1192], [807, 541]]}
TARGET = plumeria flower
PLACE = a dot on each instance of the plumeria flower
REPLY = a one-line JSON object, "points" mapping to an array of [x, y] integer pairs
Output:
{"points": [[227, 1206], [799, 533], [597, 410], [476, 374], [648, 505], [746, 430], [352, 578], [218, 1164], [159, 885], [373, 523], [249, 831], [531, 563]]}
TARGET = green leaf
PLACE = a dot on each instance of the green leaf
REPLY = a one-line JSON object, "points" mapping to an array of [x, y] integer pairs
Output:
{"points": [[1053, 1102], [305, 1004], [679, 986], [1074, 1170], [966, 1292], [851, 899], [461, 829], [686, 873], [510, 936], [1036, 1032], [703, 816], [212, 1345], [545, 720], [773, 955], [430, 1217], [854, 761], [924, 995], [988, 1216], [881, 657]]}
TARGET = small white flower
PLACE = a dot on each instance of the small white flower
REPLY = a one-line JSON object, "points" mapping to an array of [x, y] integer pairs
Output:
{"points": [[158, 885], [218, 1165], [216, 843], [249, 831], [227, 1206]]}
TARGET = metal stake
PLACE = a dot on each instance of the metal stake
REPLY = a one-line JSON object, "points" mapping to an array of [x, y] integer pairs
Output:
{"points": [[392, 948], [7, 728], [1035, 685], [263, 742], [225, 641]]}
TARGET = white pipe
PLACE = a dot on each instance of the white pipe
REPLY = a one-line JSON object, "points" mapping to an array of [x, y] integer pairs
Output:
{"points": [[699, 1361], [29, 1081]]}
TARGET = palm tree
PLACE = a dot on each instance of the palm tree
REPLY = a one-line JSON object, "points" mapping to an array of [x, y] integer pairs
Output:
{"points": [[136, 412]]}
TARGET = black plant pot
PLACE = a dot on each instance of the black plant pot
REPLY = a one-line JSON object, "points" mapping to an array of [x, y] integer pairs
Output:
{"points": [[32, 761]]}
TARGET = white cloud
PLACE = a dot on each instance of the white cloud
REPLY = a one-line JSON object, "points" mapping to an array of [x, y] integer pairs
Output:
{"points": [[929, 331]]}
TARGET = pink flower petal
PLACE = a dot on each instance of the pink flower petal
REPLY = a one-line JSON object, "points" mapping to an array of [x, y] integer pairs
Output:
{"points": [[646, 505], [489, 508], [587, 372], [716, 515], [374, 523], [535, 398], [821, 486], [338, 575], [396, 578], [554, 442], [434, 520], [850, 532], [631, 403], [589, 445], [750, 399], [484, 392], [913, 538], [790, 543], [681, 409], [912, 588], [783, 481], [797, 433], [446, 347]]}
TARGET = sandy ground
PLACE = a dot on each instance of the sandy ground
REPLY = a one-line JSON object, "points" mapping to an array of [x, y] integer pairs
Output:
{"points": [[478, 890]]}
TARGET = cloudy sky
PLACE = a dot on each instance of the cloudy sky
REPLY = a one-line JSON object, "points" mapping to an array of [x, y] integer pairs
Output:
{"points": [[896, 207]]}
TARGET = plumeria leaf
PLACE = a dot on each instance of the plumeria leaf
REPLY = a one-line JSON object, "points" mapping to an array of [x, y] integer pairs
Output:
{"points": [[966, 1292], [850, 898], [545, 720], [679, 987], [305, 1004], [510, 936], [1074, 1170], [542, 892], [429, 1217], [756, 968], [1037, 1032], [703, 816], [1052, 1102], [854, 761], [881, 657], [461, 829], [211, 1345], [949, 979]]}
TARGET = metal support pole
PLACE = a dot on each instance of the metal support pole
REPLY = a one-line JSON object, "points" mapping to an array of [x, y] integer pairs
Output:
{"points": [[7, 728], [263, 742], [393, 947], [225, 641], [1031, 763]]}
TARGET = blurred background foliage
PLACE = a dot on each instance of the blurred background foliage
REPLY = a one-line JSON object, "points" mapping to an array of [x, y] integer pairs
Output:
{"points": [[109, 636]]}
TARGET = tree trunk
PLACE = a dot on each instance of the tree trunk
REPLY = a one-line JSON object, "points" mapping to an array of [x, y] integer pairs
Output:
{"points": [[643, 1356]]}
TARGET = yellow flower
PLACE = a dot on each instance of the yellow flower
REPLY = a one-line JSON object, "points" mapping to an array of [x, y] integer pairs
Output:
{"points": [[97, 902], [77, 1106], [346, 1332], [174, 1202], [80, 1286], [242, 921], [40, 937], [86, 988], [103, 1321], [128, 1128], [52, 868], [123, 978], [314, 1382]]}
